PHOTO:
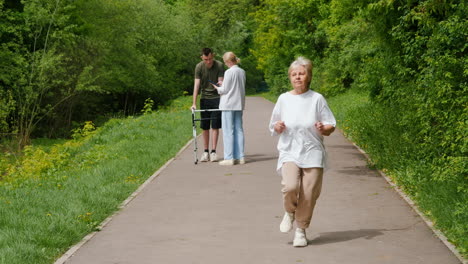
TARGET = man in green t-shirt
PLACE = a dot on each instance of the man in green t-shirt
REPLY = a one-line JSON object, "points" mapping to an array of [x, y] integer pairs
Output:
{"points": [[208, 70]]}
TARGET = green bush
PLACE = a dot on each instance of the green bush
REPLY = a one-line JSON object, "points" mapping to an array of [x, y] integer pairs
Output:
{"points": [[408, 59], [91, 174], [437, 183]]}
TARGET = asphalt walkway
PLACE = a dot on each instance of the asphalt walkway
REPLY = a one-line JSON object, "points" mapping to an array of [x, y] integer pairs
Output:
{"points": [[210, 214]]}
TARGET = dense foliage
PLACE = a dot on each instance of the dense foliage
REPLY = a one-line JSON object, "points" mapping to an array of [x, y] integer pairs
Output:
{"points": [[56, 194], [410, 57], [63, 62]]}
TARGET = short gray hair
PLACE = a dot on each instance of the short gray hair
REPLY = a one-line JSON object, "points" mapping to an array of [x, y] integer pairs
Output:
{"points": [[304, 62]]}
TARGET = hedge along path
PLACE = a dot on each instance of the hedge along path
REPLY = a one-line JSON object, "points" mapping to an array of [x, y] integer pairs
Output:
{"points": [[208, 213]]}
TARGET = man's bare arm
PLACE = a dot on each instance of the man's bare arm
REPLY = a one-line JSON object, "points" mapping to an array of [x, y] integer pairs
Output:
{"points": [[196, 88]]}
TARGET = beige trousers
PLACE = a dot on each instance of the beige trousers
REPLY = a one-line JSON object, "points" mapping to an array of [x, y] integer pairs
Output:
{"points": [[301, 189]]}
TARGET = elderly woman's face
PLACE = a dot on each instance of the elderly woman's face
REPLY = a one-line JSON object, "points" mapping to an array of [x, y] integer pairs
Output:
{"points": [[299, 77]]}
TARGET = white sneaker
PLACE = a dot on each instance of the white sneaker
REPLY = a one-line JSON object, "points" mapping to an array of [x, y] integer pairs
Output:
{"points": [[213, 157], [227, 162], [287, 223], [205, 157], [300, 239], [240, 161]]}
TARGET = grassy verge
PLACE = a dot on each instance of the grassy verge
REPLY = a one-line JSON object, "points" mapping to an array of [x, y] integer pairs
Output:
{"points": [[438, 186], [57, 194]]}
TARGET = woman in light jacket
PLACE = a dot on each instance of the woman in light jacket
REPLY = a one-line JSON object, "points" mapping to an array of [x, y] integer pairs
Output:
{"points": [[301, 117], [232, 104]]}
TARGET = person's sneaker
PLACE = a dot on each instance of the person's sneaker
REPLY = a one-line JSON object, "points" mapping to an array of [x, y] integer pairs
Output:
{"points": [[287, 223], [226, 162], [300, 239], [213, 157], [240, 161], [205, 157]]}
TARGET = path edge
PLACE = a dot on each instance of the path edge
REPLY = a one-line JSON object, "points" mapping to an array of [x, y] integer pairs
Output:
{"points": [[415, 208], [69, 253]]}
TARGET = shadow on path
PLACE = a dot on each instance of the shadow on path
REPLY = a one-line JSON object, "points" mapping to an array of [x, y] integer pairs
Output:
{"points": [[341, 236], [358, 171], [259, 157]]}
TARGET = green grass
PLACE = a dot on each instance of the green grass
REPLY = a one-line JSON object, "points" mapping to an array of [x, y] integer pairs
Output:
{"points": [[438, 186], [60, 193]]}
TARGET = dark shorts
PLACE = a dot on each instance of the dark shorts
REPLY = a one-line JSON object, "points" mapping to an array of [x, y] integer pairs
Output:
{"points": [[215, 116]]}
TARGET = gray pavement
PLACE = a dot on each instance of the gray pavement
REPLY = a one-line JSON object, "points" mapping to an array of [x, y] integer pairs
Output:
{"points": [[210, 214]]}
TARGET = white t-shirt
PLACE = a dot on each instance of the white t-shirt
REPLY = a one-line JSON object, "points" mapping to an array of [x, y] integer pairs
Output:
{"points": [[301, 142], [233, 89]]}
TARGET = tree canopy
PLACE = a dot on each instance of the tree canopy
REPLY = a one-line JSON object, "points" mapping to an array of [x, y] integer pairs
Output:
{"points": [[64, 62]]}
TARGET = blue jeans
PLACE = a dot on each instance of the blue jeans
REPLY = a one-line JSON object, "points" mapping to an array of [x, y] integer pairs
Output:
{"points": [[233, 135]]}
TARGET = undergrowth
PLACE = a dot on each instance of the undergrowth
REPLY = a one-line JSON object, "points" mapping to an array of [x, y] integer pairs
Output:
{"points": [[439, 186], [52, 196], [437, 183]]}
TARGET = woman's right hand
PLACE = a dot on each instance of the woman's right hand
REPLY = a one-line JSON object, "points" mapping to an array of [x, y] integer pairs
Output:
{"points": [[279, 127]]}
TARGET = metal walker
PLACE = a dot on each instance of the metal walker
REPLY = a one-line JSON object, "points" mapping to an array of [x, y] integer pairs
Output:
{"points": [[194, 127]]}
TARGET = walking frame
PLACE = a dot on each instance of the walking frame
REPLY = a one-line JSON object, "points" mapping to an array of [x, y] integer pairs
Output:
{"points": [[194, 127]]}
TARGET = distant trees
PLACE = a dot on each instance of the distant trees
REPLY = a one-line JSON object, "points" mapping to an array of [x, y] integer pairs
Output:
{"points": [[410, 57], [225, 25], [32, 64], [63, 62]]}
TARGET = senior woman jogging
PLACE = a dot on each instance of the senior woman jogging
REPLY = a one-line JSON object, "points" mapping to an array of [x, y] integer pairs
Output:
{"points": [[232, 104], [301, 117]]}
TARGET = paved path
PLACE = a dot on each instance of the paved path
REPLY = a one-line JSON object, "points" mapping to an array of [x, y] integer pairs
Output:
{"points": [[210, 214]]}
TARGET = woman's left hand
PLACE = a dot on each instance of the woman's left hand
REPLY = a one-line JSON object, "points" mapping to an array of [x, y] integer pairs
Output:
{"points": [[324, 130], [319, 125]]}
